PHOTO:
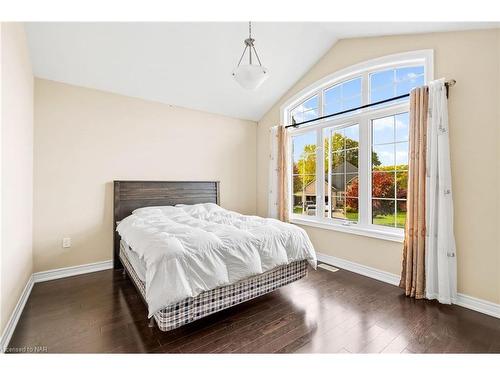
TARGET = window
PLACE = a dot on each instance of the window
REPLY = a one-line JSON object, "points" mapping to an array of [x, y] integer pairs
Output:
{"points": [[304, 173], [350, 172], [394, 82], [389, 170], [305, 111], [342, 147], [343, 96]]}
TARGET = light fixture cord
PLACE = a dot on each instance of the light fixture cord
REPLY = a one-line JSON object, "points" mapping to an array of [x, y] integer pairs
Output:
{"points": [[249, 49], [252, 47]]}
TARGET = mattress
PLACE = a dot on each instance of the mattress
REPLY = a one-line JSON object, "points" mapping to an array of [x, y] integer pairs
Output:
{"points": [[186, 250], [212, 301], [134, 260]]}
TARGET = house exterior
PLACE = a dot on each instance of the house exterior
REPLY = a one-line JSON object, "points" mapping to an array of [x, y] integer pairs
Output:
{"points": [[339, 180]]}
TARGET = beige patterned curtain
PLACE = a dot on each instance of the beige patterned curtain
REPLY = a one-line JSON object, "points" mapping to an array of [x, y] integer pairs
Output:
{"points": [[413, 272], [282, 174]]}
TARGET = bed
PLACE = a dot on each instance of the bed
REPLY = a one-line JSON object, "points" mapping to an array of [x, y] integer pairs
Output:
{"points": [[189, 258]]}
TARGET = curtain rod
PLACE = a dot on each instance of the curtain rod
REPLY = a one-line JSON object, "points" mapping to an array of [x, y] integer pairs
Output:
{"points": [[448, 84]]}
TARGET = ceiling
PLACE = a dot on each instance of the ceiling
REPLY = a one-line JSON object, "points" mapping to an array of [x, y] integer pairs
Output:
{"points": [[190, 64]]}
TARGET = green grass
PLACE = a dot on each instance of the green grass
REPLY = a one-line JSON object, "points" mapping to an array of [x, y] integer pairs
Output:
{"points": [[353, 216], [388, 220]]}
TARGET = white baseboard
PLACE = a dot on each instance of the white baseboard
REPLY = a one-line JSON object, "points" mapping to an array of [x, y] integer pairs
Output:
{"points": [[38, 277], [374, 273], [59, 273], [480, 305], [16, 314], [472, 303]]}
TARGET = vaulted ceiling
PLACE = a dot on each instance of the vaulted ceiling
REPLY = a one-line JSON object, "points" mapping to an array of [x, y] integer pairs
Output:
{"points": [[190, 64]]}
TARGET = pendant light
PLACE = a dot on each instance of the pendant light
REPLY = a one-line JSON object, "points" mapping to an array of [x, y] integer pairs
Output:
{"points": [[250, 76]]}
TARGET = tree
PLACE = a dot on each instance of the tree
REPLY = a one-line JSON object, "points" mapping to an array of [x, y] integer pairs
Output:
{"points": [[351, 193], [382, 187], [306, 166], [340, 143], [383, 179]]}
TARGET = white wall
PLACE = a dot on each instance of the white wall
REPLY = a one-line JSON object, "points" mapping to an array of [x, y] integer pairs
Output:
{"points": [[17, 166], [85, 139]]}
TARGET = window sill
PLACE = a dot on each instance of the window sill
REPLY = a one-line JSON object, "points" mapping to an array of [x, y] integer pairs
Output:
{"points": [[388, 235]]}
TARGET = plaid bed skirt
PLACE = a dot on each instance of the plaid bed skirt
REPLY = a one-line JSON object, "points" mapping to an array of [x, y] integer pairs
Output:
{"points": [[212, 301]]}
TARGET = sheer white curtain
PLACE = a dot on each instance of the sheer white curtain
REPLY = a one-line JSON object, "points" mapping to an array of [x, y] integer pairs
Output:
{"points": [[440, 254], [272, 203]]}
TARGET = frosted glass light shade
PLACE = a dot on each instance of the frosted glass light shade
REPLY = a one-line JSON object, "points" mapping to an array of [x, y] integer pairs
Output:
{"points": [[250, 77]]}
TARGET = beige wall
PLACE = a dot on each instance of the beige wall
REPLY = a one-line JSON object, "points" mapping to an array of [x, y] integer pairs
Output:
{"points": [[85, 139], [473, 59], [16, 110]]}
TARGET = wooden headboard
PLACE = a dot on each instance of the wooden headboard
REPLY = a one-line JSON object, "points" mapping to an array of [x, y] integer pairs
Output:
{"points": [[129, 195]]}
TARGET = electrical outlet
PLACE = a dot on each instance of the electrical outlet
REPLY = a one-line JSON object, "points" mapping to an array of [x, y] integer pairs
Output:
{"points": [[66, 242]]}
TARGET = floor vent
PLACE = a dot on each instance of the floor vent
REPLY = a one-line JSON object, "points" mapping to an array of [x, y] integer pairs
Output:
{"points": [[327, 267]]}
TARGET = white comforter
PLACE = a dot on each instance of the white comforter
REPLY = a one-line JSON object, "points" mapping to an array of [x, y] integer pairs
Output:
{"points": [[195, 248]]}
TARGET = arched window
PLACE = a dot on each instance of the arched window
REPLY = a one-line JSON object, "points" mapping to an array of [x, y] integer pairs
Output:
{"points": [[350, 171]]}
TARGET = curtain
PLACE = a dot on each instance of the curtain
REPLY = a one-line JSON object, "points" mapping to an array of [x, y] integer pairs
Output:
{"points": [[278, 177], [440, 256], [429, 267], [272, 201], [413, 267]]}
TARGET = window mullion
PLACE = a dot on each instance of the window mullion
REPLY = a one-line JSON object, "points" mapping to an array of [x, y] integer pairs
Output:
{"points": [[364, 171], [320, 167], [365, 88], [364, 195]]}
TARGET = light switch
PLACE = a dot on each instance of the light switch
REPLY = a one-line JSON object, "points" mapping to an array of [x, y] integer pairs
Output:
{"points": [[66, 242]]}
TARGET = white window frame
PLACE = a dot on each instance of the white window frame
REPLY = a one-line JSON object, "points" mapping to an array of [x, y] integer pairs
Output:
{"points": [[363, 117]]}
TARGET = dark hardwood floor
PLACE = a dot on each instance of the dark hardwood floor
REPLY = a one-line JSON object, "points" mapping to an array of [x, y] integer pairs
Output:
{"points": [[326, 312]]}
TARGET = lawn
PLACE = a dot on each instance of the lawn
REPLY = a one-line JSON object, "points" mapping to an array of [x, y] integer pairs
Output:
{"points": [[353, 216], [386, 220]]}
